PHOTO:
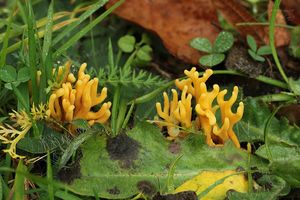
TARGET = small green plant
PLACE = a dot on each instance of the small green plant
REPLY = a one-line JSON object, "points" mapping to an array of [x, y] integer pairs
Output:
{"points": [[141, 51], [257, 53], [223, 43]]}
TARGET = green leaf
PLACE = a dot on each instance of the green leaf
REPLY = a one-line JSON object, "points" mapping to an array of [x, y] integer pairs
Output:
{"points": [[50, 177], [1, 189], [223, 42], [279, 188], [19, 181], [252, 43], [72, 148], [144, 53], [281, 155], [264, 50], [201, 44], [211, 59], [93, 8], [8, 74], [295, 85], [255, 56], [139, 161], [81, 123], [251, 127], [295, 42], [127, 43], [23, 74], [86, 29], [49, 141]]}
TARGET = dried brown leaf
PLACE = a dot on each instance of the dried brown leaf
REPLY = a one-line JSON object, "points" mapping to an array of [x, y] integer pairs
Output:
{"points": [[292, 9], [176, 22], [234, 12], [282, 36]]}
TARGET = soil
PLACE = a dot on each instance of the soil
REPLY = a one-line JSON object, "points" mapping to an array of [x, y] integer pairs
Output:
{"points": [[238, 59], [123, 149]]}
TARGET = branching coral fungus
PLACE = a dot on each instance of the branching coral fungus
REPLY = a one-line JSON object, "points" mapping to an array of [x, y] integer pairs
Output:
{"points": [[176, 112], [180, 112], [228, 117], [75, 99]]}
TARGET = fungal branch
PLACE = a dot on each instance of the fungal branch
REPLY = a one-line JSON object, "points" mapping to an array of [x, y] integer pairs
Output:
{"points": [[206, 105], [76, 99]]}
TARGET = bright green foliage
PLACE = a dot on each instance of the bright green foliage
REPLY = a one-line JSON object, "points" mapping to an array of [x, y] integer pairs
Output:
{"points": [[251, 127], [19, 181], [283, 140], [127, 75], [295, 86], [257, 54], [126, 43], [144, 53], [9, 75], [201, 44], [120, 178], [212, 59], [295, 42], [223, 43], [284, 161]]}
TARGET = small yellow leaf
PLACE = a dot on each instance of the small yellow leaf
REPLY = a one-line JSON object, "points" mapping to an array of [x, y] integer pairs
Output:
{"points": [[205, 179]]}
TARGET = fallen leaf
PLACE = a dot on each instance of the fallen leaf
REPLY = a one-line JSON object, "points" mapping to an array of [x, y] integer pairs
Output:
{"points": [[292, 10], [176, 22], [282, 36], [205, 179]]}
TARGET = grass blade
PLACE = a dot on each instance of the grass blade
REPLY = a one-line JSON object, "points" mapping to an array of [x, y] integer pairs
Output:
{"points": [[86, 29], [46, 54], [32, 50], [83, 17], [73, 147], [3, 52], [50, 178], [19, 181]]}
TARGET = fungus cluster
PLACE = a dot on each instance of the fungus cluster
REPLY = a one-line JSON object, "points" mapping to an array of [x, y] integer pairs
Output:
{"points": [[76, 99], [179, 112]]}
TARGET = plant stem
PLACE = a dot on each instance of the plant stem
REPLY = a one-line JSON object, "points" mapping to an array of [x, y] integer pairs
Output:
{"points": [[276, 97], [121, 115], [126, 120], [263, 24], [272, 40], [260, 78], [115, 106]]}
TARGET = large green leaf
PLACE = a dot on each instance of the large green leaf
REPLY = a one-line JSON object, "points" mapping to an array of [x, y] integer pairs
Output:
{"points": [[49, 141], [140, 161], [251, 127], [284, 161], [272, 187]]}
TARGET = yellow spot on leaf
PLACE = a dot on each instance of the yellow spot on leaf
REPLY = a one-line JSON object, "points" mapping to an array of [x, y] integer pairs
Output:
{"points": [[205, 179]]}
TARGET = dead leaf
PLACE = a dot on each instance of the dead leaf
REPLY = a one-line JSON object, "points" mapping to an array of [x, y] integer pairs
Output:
{"points": [[234, 12], [205, 179], [292, 10], [176, 22], [282, 36]]}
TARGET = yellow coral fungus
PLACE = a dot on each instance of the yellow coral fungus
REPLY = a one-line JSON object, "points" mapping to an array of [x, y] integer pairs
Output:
{"points": [[206, 105], [228, 117], [75, 99]]}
